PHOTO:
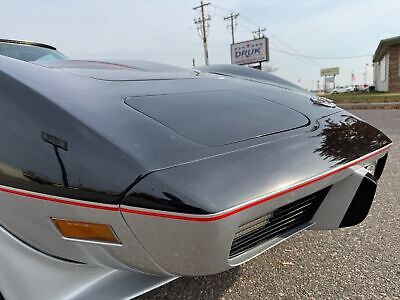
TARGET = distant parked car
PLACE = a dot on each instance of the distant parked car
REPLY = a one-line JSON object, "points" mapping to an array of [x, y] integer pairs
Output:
{"points": [[29, 51], [342, 89], [363, 88]]}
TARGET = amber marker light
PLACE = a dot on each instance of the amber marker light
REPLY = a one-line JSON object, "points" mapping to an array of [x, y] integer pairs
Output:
{"points": [[86, 232]]}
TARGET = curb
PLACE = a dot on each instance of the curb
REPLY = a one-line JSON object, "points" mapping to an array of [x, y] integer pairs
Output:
{"points": [[388, 105]]}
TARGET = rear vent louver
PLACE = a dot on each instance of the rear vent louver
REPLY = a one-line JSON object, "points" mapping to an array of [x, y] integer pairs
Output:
{"points": [[277, 222]]}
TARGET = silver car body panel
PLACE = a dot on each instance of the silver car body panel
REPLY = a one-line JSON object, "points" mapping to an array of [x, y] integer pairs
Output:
{"points": [[29, 274], [202, 247]]}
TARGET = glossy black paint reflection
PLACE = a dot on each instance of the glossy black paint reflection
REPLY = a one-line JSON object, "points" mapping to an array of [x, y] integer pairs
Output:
{"points": [[163, 201], [46, 150], [219, 183], [344, 140]]}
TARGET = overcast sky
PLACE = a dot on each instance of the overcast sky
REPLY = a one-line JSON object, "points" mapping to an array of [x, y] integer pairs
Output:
{"points": [[163, 31]]}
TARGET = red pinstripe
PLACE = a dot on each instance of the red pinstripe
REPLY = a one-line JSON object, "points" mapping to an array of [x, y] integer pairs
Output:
{"points": [[186, 217]]}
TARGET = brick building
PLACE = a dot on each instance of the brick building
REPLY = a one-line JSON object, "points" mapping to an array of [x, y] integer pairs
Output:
{"points": [[387, 65]]}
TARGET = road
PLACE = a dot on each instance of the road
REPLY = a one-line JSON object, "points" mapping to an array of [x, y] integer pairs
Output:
{"points": [[362, 262]]}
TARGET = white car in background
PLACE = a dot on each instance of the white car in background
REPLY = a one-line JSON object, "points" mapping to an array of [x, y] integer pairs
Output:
{"points": [[342, 89]]}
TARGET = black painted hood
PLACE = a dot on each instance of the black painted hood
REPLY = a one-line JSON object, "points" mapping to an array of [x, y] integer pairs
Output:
{"points": [[218, 118], [111, 144], [222, 182]]}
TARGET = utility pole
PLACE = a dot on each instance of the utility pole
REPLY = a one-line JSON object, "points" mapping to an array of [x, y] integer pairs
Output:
{"points": [[232, 18], [202, 25], [258, 34]]}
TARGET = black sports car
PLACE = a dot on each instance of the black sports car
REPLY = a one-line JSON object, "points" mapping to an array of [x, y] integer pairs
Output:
{"points": [[113, 170]]}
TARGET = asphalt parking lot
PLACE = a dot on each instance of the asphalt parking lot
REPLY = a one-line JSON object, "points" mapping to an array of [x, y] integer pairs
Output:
{"points": [[361, 262]]}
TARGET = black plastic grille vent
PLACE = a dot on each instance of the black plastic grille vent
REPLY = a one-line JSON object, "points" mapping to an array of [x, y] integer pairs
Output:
{"points": [[279, 221]]}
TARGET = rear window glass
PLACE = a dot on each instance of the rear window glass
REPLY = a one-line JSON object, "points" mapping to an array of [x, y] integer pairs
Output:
{"points": [[29, 53]]}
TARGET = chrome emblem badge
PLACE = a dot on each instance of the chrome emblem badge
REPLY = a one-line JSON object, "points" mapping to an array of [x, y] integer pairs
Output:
{"points": [[322, 101]]}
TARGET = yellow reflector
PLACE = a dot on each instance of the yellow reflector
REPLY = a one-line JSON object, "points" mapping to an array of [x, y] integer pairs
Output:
{"points": [[91, 232]]}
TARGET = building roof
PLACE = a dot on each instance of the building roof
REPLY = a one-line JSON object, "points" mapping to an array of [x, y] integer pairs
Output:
{"points": [[27, 43], [383, 47]]}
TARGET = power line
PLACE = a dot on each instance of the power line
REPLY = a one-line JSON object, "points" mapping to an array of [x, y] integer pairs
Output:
{"points": [[287, 46], [203, 24], [233, 23], [247, 20], [293, 51], [309, 62], [222, 8], [245, 27], [303, 60], [321, 57], [230, 10]]}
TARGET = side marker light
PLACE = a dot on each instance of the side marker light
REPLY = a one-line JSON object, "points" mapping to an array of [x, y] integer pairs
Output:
{"points": [[83, 231]]}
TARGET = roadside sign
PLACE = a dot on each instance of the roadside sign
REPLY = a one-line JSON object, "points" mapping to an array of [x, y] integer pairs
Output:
{"points": [[330, 71], [250, 52], [330, 79]]}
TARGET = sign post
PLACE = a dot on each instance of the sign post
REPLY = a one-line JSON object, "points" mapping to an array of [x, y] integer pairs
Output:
{"points": [[329, 75]]}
